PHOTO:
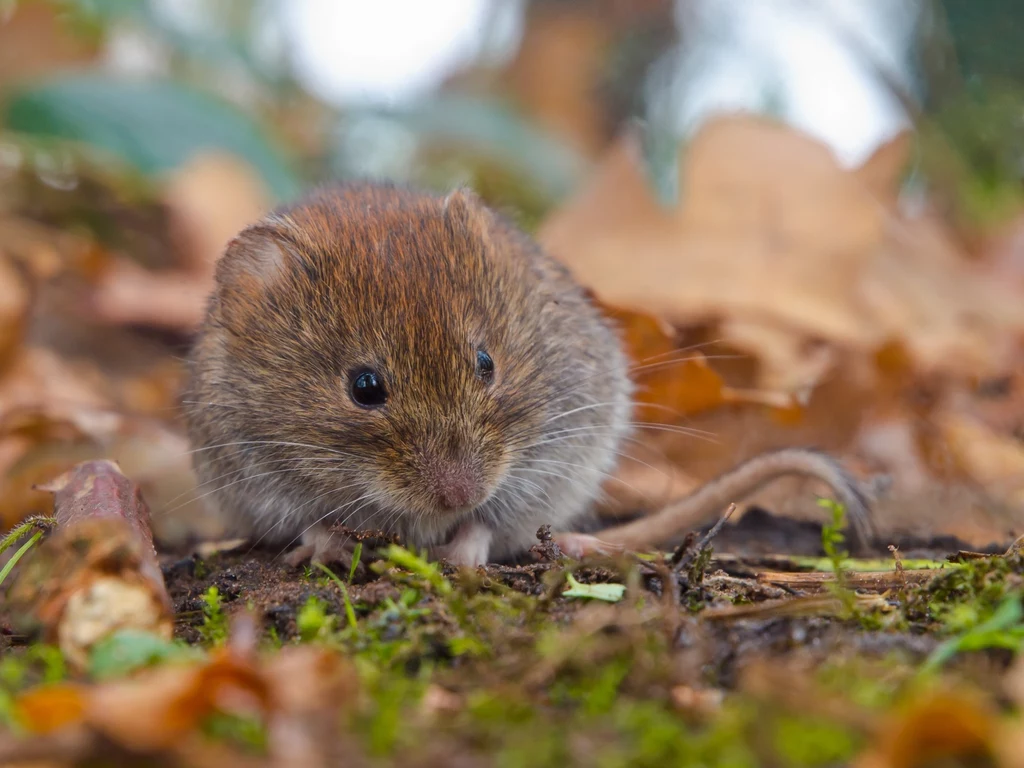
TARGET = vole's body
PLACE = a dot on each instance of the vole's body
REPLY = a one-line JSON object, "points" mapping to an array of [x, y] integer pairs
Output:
{"points": [[393, 360]]}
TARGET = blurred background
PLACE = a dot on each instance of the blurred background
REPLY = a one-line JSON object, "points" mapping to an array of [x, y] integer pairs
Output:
{"points": [[822, 199]]}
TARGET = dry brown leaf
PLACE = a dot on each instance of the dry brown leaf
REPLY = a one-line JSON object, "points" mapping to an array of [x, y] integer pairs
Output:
{"points": [[36, 41], [44, 251], [298, 692], [882, 174], [15, 301], [211, 199], [993, 461], [1004, 253], [39, 378], [51, 414], [49, 708], [679, 381], [130, 294], [768, 228], [151, 712], [942, 727], [772, 232]]}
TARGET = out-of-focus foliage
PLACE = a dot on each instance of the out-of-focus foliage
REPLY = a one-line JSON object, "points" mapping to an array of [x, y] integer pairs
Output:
{"points": [[971, 150], [986, 37], [156, 126]]}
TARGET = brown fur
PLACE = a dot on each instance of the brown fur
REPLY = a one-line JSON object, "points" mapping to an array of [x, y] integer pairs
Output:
{"points": [[412, 285]]}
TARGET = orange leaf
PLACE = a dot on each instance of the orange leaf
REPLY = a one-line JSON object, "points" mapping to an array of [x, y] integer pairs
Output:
{"points": [[50, 708], [935, 729]]}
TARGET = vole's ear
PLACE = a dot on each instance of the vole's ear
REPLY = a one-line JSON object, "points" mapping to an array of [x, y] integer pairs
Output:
{"points": [[257, 255], [464, 213]]}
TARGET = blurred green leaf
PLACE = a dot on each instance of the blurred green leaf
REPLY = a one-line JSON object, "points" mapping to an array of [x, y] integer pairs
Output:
{"points": [[986, 35], [155, 126], [225, 41], [130, 649], [489, 128]]}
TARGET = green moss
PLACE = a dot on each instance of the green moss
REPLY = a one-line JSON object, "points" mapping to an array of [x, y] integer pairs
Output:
{"points": [[833, 542], [963, 597], [393, 699], [214, 629], [37, 664], [873, 685], [313, 621], [247, 733], [806, 741]]}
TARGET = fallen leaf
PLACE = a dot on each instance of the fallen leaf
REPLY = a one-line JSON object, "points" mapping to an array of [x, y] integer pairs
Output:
{"points": [[15, 302], [609, 593], [937, 727], [211, 199], [771, 231], [298, 693], [49, 708], [995, 462]]}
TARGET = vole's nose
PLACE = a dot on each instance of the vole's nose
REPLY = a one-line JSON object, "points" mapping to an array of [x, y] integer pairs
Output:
{"points": [[455, 484]]}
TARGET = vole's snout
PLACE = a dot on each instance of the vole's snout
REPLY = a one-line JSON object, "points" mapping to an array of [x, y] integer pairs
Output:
{"points": [[455, 484]]}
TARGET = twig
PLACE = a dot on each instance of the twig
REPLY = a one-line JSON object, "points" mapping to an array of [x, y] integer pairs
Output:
{"points": [[812, 605], [694, 553], [716, 528], [876, 581], [899, 565], [98, 572]]}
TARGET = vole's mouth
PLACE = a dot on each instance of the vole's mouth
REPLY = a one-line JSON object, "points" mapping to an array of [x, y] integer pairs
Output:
{"points": [[458, 514]]}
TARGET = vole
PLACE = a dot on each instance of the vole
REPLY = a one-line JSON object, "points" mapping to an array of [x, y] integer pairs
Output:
{"points": [[390, 359]]}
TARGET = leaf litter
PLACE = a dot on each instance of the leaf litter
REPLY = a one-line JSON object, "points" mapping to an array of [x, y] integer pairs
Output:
{"points": [[755, 642]]}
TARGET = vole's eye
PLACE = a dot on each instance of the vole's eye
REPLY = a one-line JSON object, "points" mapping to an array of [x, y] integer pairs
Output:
{"points": [[484, 366], [368, 390]]}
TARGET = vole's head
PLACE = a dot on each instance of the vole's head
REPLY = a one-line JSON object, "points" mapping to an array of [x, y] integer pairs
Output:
{"points": [[400, 344]]}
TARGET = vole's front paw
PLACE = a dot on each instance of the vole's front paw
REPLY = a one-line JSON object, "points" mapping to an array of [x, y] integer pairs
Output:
{"points": [[470, 546], [580, 545], [320, 545]]}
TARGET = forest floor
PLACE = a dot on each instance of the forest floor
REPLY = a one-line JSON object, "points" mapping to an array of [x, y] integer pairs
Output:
{"points": [[708, 656]]}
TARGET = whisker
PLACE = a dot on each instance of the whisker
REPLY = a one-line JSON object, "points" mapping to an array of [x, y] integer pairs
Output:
{"points": [[561, 394], [284, 518], [609, 428], [321, 519], [228, 485], [624, 455], [584, 467], [268, 442], [251, 466], [571, 479]]}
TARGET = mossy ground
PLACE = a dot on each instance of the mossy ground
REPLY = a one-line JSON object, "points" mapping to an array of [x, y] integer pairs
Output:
{"points": [[498, 667]]}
